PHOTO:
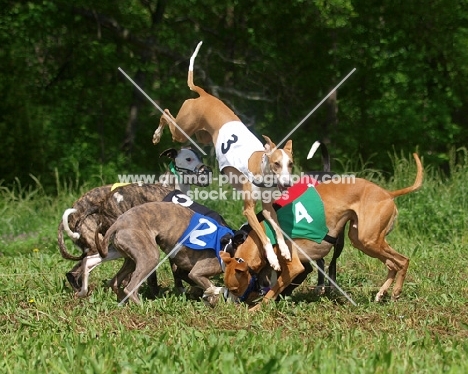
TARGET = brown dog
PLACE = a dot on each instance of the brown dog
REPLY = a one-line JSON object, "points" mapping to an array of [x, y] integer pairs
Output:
{"points": [[241, 156], [371, 212], [137, 234], [81, 222]]}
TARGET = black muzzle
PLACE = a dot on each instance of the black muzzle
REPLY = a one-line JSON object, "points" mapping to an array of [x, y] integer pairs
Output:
{"points": [[204, 175]]}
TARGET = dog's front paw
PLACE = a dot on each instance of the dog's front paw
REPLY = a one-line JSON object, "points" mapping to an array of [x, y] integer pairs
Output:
{"points": [[82, 293], [271, 257], [157, 136], [212, 294], [320, 290], [379, 297], [284, 250]]}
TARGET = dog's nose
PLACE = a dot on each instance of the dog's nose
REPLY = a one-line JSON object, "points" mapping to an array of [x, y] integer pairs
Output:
{"points": [[285, 181], [204, 175], [205, 169]]}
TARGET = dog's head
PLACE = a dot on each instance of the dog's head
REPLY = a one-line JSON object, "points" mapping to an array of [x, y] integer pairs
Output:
{"points": [[187, 161], [280, 162], [237, 276]]}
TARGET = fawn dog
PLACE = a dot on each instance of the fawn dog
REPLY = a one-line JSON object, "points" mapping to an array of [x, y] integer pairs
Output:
{"points": [[370, 211], [241, 156]]}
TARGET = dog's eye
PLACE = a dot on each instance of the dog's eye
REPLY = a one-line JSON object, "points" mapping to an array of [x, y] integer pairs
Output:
{"points": [[188, 159], [277, 164]]}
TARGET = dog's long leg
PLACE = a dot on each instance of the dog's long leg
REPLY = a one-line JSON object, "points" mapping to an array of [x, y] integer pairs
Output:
{"points": [[320, 288], [298, 280], [142, 269], [127, 268], [163, 122], [270, 215], [184, 120], [400, 278], [291, 269], [89, 263], [397, 265], [74, 276], [143, 250], [249, 212], [200, 274], [368, 235]]}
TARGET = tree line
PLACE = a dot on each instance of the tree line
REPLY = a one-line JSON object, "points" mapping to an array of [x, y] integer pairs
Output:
{"points": [[66, 109]]}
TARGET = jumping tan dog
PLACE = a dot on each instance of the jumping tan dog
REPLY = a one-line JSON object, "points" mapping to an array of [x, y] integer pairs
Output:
{"points": [[371, 212], [241, 156]]}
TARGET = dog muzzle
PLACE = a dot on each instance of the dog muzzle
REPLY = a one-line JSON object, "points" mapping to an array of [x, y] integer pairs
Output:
{"points": [[204, 175], [201, 175], [284, 182]]}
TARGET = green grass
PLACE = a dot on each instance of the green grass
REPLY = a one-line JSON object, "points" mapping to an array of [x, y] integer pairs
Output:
{"points": [[46, 329]]}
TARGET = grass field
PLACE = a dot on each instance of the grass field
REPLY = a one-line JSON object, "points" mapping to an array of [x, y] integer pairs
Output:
{"points": [[46, 329]]}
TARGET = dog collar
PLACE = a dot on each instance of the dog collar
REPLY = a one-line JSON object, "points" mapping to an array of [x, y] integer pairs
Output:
{"points": [[253, 284], [250, 288], [173, 169]]}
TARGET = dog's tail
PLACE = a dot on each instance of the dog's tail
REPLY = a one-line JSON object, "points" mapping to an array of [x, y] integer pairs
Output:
{"points": [[72, 235], [190, 83], [64, 226], [102, 246], [63, 248], [417, 183], [325, 154]]}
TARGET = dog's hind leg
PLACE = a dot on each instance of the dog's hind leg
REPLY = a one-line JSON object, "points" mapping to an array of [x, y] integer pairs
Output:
{"points": [[142, 269], [142, 249], [184, 121], [74, 276], [127, 269], [87, 265], [397, 265], [401, 276], [369, 237]]}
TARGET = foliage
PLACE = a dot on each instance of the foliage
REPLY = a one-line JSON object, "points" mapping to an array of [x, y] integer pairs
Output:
{"points": [[66, 106]]}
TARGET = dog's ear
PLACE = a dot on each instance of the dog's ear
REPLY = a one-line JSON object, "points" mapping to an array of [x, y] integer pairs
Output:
{"points": [[269, 146], [226, 257], [239, 238], [241, 267], [171, 153], [225, 239], [227, 244], [288, 146]]}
